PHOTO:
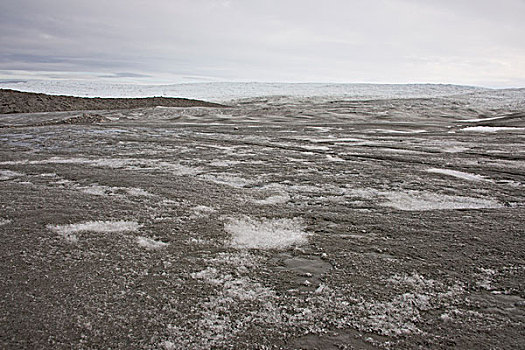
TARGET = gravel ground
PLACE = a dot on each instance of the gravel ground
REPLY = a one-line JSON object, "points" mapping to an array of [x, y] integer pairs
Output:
{"points": [[389, 224]]}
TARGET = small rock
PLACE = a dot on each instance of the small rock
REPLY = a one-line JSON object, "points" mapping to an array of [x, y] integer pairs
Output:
{"points": [[320, 288]]}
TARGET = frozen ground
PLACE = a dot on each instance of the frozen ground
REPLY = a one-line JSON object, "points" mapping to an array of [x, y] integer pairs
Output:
{"points": [[277, 223]]}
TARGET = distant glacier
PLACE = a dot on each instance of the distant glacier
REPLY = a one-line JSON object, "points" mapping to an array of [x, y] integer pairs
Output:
{"points": [[227, 91]]}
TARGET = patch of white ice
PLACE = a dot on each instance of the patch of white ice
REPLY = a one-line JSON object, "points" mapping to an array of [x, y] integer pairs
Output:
{"points": [[415, 131], [422, 200], [4, 221], [200, 211], [458, 174], [101, 190], [115, 163], [455, 149], [150, 244], [217, 322], [265, 233], [334, 158], [320, 129], [68, 231], [333, 140], [225, 163], [485, 278], [168, 345], [491, 128], [49, 175], [228, 180], [277, 199], [401, 315], [8, 174], [138, 192], [315, 148], [479, 120]]}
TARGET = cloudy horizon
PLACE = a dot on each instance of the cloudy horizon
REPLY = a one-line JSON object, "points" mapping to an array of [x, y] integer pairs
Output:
{"points": [[389, 41]]}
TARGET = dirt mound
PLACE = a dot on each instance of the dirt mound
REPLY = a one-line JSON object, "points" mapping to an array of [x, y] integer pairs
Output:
{"points": [[12, 101]]}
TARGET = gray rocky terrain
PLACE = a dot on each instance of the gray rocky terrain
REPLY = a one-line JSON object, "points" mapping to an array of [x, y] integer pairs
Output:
{"points": [[304, 224], [12, 101]]}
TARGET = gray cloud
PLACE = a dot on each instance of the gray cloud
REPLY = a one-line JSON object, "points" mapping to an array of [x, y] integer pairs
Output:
{"points": [[289, 40]]}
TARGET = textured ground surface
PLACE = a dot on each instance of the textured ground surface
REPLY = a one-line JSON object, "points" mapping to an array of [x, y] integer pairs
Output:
{"points": [[393, 224]]}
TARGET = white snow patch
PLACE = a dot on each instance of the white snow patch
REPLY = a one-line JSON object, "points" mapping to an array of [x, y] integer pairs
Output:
{"points": [[138, 192], [4, 221], [445, 317], [491, 128], [199, 241], [455, 149], [266, 233], [225, 163], [415, 281], [320, 129], [150, 244], [49, 175], [458, 174], [415, 201], [334, 158], [98, 190], [217, 322], [485, 278], [115, 163], [101, 190], [416, 131], [228, 180], [306, 188], [332, 140], [24, 182], [479, 120], [396, 317], [402, 314], [68, 231], [209, 275], [315, 148], [422, 200], [168, 345], [511, 183], [277, 199], [8, 174], [201, 211]]}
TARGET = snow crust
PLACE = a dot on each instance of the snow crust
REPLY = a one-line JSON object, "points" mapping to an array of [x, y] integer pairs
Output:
{"points": [[250, 233], [68, 231]]}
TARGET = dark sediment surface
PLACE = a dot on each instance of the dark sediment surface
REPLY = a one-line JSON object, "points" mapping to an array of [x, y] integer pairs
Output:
{"points": [[393, 224], [12, 101]]}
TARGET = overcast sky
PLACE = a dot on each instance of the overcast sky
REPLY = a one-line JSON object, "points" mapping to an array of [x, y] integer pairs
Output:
{"points": [[473, 42]]}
